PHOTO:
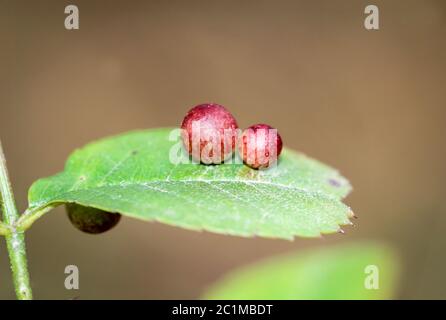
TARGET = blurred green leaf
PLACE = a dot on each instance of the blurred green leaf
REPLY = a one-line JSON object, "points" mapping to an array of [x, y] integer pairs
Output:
{"points": [[330, 273], [131, 174]]}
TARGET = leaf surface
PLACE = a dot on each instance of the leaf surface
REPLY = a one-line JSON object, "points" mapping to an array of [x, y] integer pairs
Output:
{"points": [[132, 174]]}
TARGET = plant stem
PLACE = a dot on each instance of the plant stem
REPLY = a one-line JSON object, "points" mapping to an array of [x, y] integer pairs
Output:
{"points": [[15, 240], [4, 229], [30, 216]]}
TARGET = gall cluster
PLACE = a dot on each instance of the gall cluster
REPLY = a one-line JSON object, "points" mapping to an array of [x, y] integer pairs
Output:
{"points": [[211, 135]]}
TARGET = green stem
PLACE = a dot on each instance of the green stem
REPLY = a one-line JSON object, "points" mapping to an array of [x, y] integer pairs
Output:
{"points": [[30, 216], [15, 240], [4, 229]]}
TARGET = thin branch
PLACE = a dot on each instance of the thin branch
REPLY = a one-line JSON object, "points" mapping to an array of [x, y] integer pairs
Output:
{"points": [[15, 240], [30, 216], [4, 229]]}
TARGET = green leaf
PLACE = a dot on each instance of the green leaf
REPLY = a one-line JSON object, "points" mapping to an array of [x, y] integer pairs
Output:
{"points": [[132, 174], [331, 273]]}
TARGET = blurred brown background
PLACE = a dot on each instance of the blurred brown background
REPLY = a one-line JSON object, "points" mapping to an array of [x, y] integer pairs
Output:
{"points": [[371, 103]]}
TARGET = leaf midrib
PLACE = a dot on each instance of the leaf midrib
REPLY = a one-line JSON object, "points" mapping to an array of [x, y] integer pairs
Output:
{"points": [[246, 182]]}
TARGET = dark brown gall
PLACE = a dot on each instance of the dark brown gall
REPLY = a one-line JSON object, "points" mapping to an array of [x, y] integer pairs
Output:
{"points": [[91, 220]]}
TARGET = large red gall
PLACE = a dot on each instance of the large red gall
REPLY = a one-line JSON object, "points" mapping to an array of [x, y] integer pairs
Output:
{"points": [[209, 133]]}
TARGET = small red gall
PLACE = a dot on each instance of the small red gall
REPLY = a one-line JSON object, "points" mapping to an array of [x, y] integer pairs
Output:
{"points": [[91, 220], [260, 146], [209, 133]]}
